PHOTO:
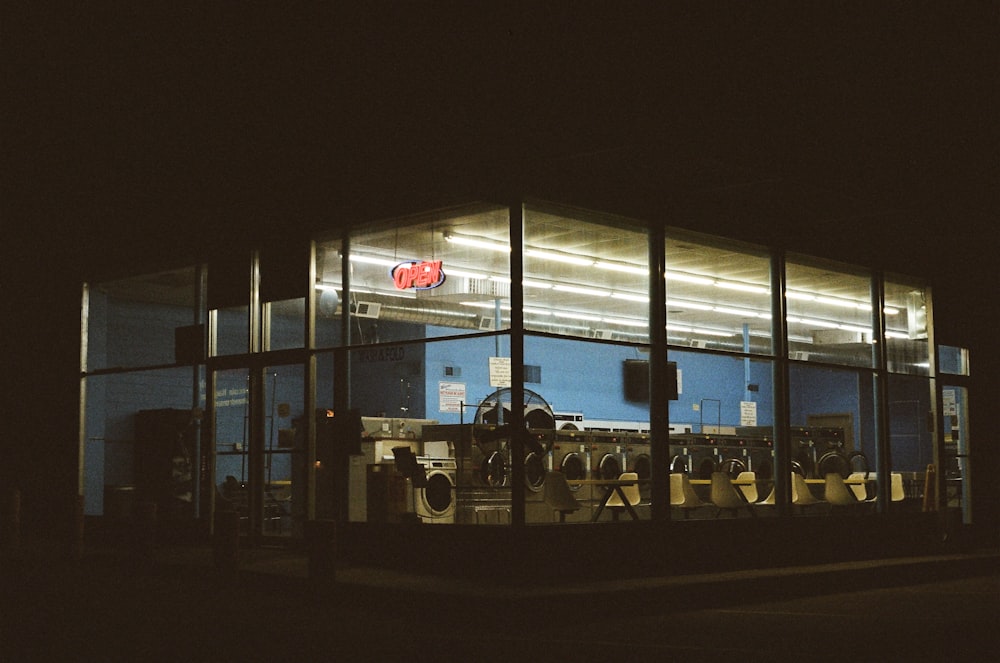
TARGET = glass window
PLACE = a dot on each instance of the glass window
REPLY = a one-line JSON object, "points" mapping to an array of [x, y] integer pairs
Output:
{"points": [[434, 275], [722, 421], [718, 295], [143, 440], [952, 360], [147, 320], [832, 417], [585, 275], [829, 313], [329, 293], [906, 326], [911, 439]]}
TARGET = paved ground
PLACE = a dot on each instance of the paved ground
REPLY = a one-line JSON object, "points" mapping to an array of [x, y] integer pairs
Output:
{"points": [[105, 606]]}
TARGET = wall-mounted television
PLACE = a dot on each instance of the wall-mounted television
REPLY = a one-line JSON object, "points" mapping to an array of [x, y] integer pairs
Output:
{"points": [[637, 380]]}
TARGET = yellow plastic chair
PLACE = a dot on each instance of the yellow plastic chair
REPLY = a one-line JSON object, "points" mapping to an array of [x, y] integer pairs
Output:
{"points": [[801, 495], [725, 497], [682, 494], [615, 502], [835, 491], [749, 491], [897, 493]]}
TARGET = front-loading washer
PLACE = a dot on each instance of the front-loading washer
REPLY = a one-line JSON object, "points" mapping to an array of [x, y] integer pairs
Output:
{"points": [[639, 459], [607, 455], [435, 502]]}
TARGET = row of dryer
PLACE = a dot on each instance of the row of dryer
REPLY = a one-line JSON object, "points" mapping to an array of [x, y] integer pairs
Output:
{"points": [[470, 468]]}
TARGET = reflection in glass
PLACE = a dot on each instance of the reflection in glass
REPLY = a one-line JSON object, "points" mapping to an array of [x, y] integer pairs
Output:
{"points": [[718, 295], [829, 313], [907, 347], [585, 276]]}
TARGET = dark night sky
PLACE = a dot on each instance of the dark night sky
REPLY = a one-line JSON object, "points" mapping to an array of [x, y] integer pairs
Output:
{"points": [[133, 125]]}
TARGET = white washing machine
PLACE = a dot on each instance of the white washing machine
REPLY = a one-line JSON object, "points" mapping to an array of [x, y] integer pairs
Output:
{"points": [[435, 502]]}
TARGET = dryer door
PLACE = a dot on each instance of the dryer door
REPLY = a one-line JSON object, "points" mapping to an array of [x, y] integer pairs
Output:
{"points": [[438, 496]]}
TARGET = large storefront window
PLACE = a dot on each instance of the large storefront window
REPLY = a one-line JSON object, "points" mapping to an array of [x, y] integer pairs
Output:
{"points": [[283, 282], [148, 320], [718, 295], [585, 275], [829, 313], [906, 325], [911, 439], [423, 277], [144, 442]]}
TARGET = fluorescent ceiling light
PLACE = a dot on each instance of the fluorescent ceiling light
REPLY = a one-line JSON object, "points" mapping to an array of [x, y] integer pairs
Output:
{"points": [[711, 332], [465, 275], [583, 291], [805, 296], [536, 311], [541, 285], [742, 312], [622, 267], [891, 334], [818, 323], [626, 322], [855, 328], [836, 301], [566, 258], [477, 243], [688, 278], [743, 287], [630, 297], [327, 286], [490, 305], [372, 260], [685, 304], [500, 279]]}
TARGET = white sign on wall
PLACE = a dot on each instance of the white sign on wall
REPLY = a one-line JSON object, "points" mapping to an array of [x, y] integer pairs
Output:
{"points": [[451, 395], [499, 371], [748, 413]]}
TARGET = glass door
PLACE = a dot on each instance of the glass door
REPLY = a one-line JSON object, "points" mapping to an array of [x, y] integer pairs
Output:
{"points": [[259, 432], [955, 404]]}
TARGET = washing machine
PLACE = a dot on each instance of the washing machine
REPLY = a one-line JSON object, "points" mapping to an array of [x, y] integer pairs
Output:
{"points": [[607, 454], [831, 454], [733, 453], [702, 453], [639, 459], [435, 502], [571, 455]]}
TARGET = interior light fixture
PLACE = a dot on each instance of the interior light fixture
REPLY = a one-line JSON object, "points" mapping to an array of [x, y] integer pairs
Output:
{"points": [[540, 285], [622, 267], [818, 323], [686, 304], [742, 287], [629, 297], [327, 286], [477, 243], [626, 322], [594, 292], [537, 311], [372, 260], [688, 278], [467, 275], [566, 258]]}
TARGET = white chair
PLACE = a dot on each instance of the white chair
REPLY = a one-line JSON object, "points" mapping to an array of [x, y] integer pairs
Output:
{"points": [[897, 493], [558, 496], [682, 494], [801, 495], [860, 490], [724, 495], [615, 502], [836, 493], [749, 490]]}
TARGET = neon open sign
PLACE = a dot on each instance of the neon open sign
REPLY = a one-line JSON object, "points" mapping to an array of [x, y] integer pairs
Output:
{"points": [[418, 275]]}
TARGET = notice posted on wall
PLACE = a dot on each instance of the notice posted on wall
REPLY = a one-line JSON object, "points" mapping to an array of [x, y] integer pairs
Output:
{"points": [[748, 413], [451, 396], [499, 371]]}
